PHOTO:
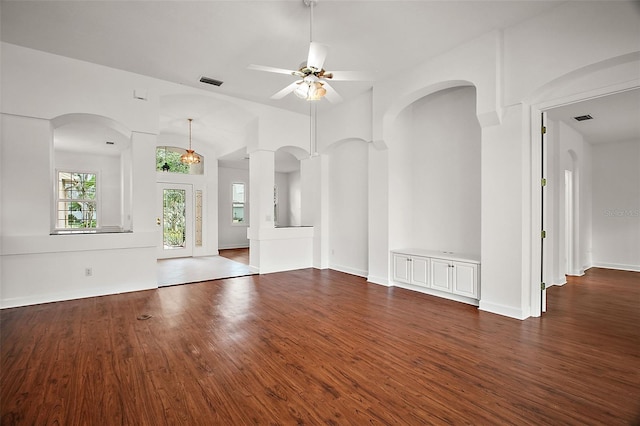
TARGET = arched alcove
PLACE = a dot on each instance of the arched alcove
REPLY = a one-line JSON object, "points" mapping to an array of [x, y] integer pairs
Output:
{"points": [[287, 193], [91, 176], [434, 169]]}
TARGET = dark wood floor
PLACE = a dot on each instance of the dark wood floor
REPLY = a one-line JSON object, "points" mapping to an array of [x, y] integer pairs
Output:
{"points": [[322, 347], [240, 255]]}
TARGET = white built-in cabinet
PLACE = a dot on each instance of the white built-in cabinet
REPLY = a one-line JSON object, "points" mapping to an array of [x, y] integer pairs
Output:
{"points": [[446, 274], [411, 269]]}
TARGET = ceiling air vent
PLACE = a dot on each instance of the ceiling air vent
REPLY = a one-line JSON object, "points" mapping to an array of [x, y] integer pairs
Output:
{"points": [[583, 117], [210, 81]]}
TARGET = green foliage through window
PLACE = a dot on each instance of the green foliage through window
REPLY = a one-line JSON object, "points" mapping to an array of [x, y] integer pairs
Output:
{"points": [[167, 155], [76, 205]]}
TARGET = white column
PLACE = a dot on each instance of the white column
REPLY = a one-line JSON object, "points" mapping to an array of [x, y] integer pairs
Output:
{"points": [[261, 181]]}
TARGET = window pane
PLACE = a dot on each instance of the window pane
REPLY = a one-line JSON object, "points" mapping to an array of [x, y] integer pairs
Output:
{"points": [[175, 218], [77, 214], [76, 205], [237, 214], [237, 192]]}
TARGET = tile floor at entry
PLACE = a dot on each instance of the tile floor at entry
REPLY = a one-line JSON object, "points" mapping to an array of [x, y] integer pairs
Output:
{"points": [[195, 269]]}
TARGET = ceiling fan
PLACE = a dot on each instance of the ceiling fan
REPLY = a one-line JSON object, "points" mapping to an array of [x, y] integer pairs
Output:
{"points": [[313, 84]]}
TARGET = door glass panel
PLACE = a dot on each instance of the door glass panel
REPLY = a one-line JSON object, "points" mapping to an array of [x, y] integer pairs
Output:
{"points": [[175, 218]]}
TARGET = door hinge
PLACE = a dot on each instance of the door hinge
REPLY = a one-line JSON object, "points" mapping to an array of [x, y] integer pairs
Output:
{"points": [[543, 182], [543, 286], [543, 234], [543, 130]]}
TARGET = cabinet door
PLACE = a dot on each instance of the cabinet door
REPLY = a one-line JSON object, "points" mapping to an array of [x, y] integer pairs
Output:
{"points": [[420, 271], [401, 271], [465, 279], [441, 275]]}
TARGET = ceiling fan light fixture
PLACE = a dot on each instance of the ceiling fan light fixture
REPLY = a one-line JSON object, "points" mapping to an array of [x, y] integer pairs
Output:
{"points": [[310, 89], [317, 92], [190, 157], [302, 91]]}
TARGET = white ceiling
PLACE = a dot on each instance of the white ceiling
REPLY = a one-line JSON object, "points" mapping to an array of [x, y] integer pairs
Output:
{"points": [[616, 117], [180, 41]]}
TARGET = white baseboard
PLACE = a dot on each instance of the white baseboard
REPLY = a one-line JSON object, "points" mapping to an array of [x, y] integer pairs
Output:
{"points": [[378, 280], [618, 266], [349, 270], [507, 311]]}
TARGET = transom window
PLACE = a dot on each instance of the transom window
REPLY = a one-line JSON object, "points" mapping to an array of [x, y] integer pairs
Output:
{"points": [[168, 161], [77, 201]]}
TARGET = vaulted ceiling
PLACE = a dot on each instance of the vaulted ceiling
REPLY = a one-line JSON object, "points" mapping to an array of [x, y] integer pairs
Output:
{"points": [[180, 41]]}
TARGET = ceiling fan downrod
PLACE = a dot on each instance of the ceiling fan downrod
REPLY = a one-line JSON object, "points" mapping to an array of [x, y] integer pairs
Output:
{"points": [[310, 4]]}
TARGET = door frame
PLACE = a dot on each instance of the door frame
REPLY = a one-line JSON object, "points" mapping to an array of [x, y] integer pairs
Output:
{"points": [[187, 251], [536, 110]]}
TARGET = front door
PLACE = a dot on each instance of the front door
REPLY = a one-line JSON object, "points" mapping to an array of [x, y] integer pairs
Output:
{"points": [[176, 220]]}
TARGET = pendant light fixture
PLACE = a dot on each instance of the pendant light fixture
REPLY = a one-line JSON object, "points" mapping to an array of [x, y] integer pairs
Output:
{"points": [[190, 157]]}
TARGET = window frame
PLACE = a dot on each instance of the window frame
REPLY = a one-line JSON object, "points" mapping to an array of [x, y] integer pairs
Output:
{"points": [[57, 200], [243, 204]]}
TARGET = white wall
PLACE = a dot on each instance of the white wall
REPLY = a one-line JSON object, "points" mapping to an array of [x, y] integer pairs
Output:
{"points": [[445, 155], [616, 205], [231, 235], [348, 207], [401, 186], [295, 199], [573, 35], [575, 155]]}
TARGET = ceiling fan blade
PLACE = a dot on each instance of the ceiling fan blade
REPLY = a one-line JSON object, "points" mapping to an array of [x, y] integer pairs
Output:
{"points": [[351, 76], [317, 55], [271, 69], [331, 95], [284, 92]]}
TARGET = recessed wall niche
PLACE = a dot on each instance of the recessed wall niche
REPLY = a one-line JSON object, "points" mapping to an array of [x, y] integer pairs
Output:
{"points": [[96, 146], [287, 196], [440, 155]]}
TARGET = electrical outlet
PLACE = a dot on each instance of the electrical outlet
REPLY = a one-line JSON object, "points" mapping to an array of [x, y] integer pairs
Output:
{"points": [[88, 272]]}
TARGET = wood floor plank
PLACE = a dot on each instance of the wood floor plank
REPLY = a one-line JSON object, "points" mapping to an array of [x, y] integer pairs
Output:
{"points": [[323, 347]]}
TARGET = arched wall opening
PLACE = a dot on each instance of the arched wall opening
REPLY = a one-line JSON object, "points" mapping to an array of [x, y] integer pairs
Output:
{"points": [[96, 146], [287, 191]]}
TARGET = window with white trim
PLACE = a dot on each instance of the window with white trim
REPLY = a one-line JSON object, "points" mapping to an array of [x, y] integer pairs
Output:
{"points": [[238, 203], [76, 200]]}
